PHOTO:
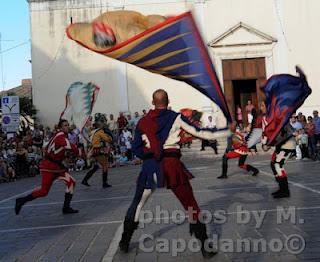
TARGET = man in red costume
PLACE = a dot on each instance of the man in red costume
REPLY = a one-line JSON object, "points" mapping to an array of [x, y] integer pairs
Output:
{"points": [[52, 168], [236, 148]]}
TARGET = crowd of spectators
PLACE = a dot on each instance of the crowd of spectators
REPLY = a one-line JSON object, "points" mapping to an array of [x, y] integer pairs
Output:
{"points": [[308, 135], [21, 154]]}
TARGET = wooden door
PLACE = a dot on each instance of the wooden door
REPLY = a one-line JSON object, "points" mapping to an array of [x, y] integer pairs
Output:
{"points": [[243, 69]]}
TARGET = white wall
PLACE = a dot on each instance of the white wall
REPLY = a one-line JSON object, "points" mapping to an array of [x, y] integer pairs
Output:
{"points": [[58, 61]]}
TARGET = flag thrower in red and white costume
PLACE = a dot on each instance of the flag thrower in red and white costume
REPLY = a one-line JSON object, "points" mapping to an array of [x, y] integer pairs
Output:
{"points": [[52, 168]]}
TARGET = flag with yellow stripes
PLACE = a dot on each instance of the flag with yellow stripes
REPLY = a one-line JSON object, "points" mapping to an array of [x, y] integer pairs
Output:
{"points": [[174, 49]]}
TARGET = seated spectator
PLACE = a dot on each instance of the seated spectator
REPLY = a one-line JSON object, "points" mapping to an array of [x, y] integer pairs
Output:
{"points": [[37, 140], [11, 174], [111, 158], [126, 133], [80, 164], [34, 168], [123, 159], [129, 148], [3, 171]]}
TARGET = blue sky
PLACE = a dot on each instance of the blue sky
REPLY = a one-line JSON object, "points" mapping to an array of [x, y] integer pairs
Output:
{"points": [[15, 25]]}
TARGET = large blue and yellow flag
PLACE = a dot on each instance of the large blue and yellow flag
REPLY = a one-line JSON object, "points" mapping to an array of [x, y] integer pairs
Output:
{"points": [[172, 48]]}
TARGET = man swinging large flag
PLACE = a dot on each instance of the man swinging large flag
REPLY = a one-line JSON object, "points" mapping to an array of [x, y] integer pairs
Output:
{"points": [[171, 47]]}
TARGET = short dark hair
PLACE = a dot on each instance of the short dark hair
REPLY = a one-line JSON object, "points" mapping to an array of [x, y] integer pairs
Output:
{"points": [[61, 121], [160, 97]]}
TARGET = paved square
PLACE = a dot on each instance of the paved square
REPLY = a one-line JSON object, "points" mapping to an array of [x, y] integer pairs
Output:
{"points": [[247, 221]]}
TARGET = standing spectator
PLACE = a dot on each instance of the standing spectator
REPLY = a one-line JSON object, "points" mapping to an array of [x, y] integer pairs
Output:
{"points": [[131, 124], [136, 118], [122, 122], [239, 116], [22, 166], [112, 124], [310, 129], [302, 142], [212, 143], [302, 120], [73, 135], [295, 123], [316, 121], [249, 108], [297, 127]]}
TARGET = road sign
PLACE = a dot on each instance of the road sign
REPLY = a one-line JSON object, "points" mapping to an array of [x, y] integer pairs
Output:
{"points": [[10, 105], [10, 114]]}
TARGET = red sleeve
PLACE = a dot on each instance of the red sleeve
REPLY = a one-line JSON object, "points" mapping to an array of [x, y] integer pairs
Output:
{"points": [[74, 149], [60, 141]]}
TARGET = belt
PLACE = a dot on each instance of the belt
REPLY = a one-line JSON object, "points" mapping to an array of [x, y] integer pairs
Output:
{"points": [[148, 156], [174, 154]]}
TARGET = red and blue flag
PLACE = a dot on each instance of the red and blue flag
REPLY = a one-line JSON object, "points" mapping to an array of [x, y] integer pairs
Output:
{"points": [[174, 49], [284, 95]]}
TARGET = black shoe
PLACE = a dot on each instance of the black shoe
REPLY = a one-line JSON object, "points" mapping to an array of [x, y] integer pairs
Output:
{"points": [[69, 210], [18, 206], [66, 206], [129, 226], [21, 201], [256, 172], [276, 192], [85, 183], [282, 194], [106, 185], [284, 188], [200, 232], [222, 177]]}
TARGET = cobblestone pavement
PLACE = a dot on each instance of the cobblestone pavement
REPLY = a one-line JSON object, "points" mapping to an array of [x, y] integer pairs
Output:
{"points": [[248, 222]]}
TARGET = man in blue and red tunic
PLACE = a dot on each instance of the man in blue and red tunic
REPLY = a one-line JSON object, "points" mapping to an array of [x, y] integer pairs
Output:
{"points": [[156, 141], [52, 168]]}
